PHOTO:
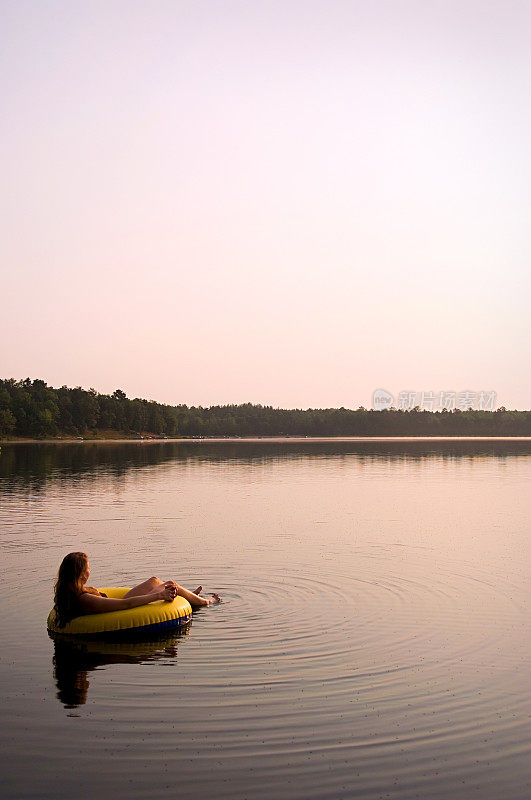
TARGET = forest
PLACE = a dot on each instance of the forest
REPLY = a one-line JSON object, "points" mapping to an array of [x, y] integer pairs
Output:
{"points": [[32, 409]]}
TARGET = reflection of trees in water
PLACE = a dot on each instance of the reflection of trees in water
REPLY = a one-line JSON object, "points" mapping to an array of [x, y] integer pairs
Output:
{"points": [[75, 658], [34, 466]]}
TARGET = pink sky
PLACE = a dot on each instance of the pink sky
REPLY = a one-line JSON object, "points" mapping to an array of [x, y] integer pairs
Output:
{"points": [[290, 203]]}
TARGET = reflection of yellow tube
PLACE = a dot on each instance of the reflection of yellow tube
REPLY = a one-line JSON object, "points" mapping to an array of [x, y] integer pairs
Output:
{"points": [[155, 617], [75, 658]]}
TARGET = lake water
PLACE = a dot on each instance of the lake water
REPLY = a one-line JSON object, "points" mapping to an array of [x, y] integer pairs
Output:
{"points": [[373, 641]]}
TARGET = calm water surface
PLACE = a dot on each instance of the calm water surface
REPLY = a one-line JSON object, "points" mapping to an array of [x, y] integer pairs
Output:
{"points": [[373, 639]]}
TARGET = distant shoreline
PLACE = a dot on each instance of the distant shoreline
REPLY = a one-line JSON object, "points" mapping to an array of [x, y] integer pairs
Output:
{"points": [[33, 411], [206, 439]]}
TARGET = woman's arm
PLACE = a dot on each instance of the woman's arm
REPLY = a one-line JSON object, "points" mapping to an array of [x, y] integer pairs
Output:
{"points": [[94, 604]]}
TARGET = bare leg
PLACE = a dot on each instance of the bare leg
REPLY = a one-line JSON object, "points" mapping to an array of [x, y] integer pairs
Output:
{"points": [[194, 599], [144, 588]]}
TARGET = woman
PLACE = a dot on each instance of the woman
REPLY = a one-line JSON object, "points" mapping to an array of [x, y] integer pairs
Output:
{"points": [[73, 598]]}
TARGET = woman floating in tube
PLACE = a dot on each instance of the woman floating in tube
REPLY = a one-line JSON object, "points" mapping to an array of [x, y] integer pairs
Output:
{"points": [[73, 598]]}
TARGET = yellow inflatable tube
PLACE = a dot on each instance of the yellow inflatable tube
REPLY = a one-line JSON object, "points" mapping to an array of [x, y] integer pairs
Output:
{"points": [[154, 617]]}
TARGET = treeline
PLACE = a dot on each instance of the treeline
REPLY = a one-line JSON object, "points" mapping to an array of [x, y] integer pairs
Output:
{"points": [[34, 410]]}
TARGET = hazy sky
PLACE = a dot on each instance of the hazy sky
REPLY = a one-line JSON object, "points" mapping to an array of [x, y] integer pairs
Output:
{"points": [[290, 203]]}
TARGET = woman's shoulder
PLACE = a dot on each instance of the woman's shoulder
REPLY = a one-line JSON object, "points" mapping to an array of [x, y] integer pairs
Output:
{"points": [[92, 590], [86, 593]]}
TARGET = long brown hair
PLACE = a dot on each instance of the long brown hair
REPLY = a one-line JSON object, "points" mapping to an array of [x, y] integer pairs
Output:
{"points": [[68, 587]]}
